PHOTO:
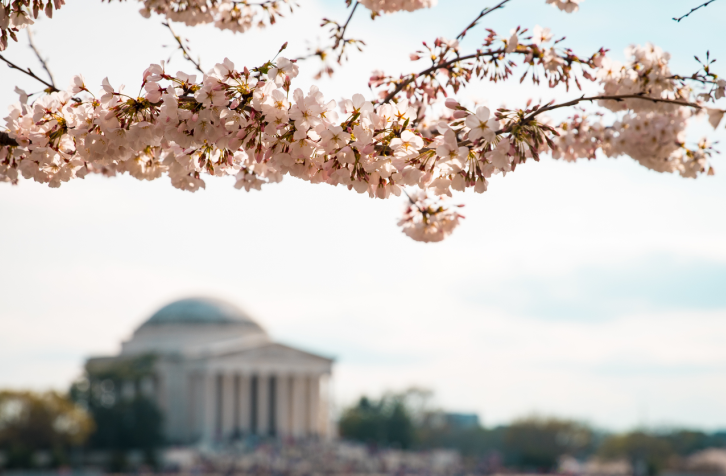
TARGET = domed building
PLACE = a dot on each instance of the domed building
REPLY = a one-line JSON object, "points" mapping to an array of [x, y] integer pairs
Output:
{"points": [[217, 375]]}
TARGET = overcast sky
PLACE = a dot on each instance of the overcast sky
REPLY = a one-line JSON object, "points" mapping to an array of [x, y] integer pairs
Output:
{"points": [[594, 290]]}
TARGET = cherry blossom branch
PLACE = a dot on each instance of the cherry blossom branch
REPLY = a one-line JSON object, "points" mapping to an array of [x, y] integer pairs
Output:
{"points": [[183, 49], [339, 42], [619, 97], [253, 4], [40, 58], [678, 19], [235, 15], [18, 14], [50, 87], [483, 13], [436, 67], [340, 35], [693, 78]]}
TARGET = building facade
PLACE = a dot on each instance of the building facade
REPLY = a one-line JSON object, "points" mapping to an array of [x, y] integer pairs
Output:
{"points": [[218, 376]]}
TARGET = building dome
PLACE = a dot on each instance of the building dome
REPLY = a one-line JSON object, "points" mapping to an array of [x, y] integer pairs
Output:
{"points": [[195, 325], [199, 311]]}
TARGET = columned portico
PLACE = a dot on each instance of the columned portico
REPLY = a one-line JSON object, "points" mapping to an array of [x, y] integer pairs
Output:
{"points": [[234, 405], [218, 376]]}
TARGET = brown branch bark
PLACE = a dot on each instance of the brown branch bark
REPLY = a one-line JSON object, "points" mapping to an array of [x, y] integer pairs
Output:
{"points": [[5, 139], [340, 36], [678, 19], [12, 65], [430, 70], [483, 13], [183, 49], [618, 98], [40, 58]]}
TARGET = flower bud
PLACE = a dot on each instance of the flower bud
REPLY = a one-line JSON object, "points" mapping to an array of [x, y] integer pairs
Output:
{"points": [[452, 103], [460, 114]]}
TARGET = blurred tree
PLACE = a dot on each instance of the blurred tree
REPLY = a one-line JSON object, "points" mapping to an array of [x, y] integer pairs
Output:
{"points": [[32, 422], [687, 442], [126, 418], [385, 422], [647, 453], [536, 443]]}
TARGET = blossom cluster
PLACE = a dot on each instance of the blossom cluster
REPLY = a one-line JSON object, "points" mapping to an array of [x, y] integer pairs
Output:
{"points": [[249, 124], [252, 125], [241, 15], [568, 6], [652, 133], [428, 218], [235, 15], [391, 6], [495, 61], [16, 15]]}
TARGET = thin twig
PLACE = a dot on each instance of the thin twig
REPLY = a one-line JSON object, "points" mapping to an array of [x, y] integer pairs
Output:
{"points": [[691, 78], [12, 65], [620, 97], [185, 53], [341, 33], [411, 200], [40, 58], [693, 10], [461, 35], [252, 4], [483, 13], [430, 70]]}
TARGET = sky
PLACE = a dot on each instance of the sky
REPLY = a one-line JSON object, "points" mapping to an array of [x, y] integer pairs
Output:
{"points": [[594, 290]]}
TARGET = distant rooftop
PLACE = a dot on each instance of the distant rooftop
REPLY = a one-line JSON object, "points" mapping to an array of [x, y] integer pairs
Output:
{"points": [[199, 311]]}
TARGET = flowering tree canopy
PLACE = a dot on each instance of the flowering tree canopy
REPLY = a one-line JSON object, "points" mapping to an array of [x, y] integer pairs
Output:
{"points": [[414, 138]]}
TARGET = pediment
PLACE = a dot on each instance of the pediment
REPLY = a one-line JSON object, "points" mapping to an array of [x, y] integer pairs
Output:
{"points": [[273, 352]]}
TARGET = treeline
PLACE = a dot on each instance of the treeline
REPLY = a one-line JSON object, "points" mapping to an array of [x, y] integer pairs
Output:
{"points": [[105, 411], [531, 444]]}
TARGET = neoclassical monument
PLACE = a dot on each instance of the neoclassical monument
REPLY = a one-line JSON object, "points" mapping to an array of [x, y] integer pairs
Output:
{"points": [[217, 375]]}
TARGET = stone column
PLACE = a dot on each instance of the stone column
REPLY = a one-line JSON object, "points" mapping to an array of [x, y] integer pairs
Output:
{"points": [[174, 389], [326, 429], [263, 401], [228, 404], [254, 405], [244, 403], [314, 405], [282, 418], [192, 428], [209, 406], [299, 405]]}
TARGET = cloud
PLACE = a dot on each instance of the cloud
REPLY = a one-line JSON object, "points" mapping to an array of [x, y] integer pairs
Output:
{"points": [[647, 283]]}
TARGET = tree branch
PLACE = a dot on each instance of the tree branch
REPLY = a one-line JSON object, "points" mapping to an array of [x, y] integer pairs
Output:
{"points": [[430, 70], [5, 139], [12, 65], [693, 10], [620, 97], [183, 49], [40, 58], [483, 13], [340, 36], [573, 102]]}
